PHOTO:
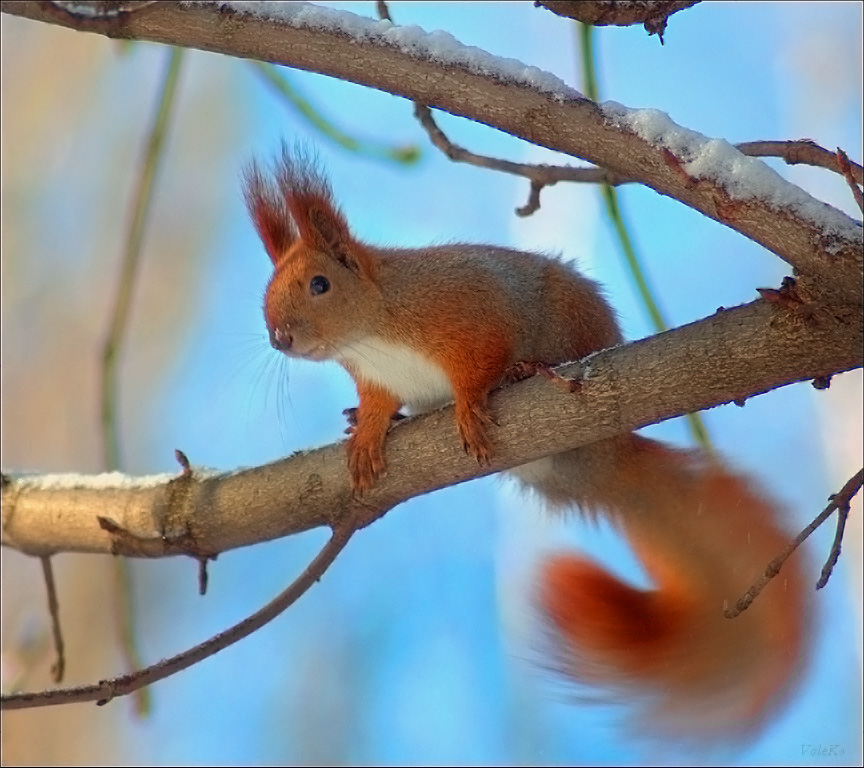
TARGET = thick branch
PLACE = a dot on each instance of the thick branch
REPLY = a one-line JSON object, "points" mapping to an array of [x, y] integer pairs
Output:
{"points": [[828, 263], [727, 357]]}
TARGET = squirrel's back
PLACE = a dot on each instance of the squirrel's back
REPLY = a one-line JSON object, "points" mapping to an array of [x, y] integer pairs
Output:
{"points": [[554, 313]]}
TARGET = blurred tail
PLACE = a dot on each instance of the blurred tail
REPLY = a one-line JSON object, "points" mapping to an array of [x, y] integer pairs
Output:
{"points": [[703, 536]]}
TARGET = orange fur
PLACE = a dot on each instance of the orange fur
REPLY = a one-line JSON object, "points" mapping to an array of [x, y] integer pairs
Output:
{"points": [[703, 536], [602, 616], [366, 444], [418, 328]]}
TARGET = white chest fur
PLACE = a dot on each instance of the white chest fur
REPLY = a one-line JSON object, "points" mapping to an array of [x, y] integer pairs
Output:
{"points": [[418, 382]]}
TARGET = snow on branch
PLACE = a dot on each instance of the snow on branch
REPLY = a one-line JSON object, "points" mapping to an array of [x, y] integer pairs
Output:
{"points": [[438, 47], [103, 481], [740, 176], [824, 247]]}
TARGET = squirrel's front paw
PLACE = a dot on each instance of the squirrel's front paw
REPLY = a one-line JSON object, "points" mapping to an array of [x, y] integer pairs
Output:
{"points": [[473, 422], [366, 463]]}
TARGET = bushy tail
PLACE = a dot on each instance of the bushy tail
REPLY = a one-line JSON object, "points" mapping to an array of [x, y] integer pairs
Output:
{"points": [[703, 536]]}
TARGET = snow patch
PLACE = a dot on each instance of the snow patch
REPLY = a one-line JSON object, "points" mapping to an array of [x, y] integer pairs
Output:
{"points": [[104, 481], [87, 11], [437, 46], [742, 177]]}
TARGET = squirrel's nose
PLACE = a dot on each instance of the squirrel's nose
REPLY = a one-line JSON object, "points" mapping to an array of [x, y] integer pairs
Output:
{"points": [[280, 339]]}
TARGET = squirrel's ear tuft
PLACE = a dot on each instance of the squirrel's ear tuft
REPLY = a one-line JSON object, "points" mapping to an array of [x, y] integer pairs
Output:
{"points": [[309, 198], [269, 211], [297, 205], [320, 224]]}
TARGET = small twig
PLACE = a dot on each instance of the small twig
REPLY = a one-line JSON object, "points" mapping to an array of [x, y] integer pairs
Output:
{"points": [[122, 685], [838, 501], [801, 152], [533, 203], [540, 175], [846, 167], [203, 576], [184, 544], [109, 525], [183, 461], [786, 296], [834, 554], [187, 541], [59, 666], [383, 10]]}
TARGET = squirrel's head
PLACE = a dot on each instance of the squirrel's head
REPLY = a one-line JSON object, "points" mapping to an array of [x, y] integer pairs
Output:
{"points": [[322, 293]]}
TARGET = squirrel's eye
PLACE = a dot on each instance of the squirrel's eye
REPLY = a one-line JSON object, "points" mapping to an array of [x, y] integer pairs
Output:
{"points": [[319, 284]]}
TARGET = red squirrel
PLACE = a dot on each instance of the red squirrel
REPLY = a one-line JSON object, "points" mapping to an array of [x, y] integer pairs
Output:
{"points": [[418, 328]]}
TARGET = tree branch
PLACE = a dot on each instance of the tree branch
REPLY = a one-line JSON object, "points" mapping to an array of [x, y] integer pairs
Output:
{"points": [[839, 502], [801, 152], [849, 172], [822, 244], [731, 355], [58, 668], [105, 690]]}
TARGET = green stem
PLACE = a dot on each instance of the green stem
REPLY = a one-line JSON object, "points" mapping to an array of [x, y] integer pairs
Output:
{"points": [[112, 348], [131, 257], [407, 155], [613, 211]]}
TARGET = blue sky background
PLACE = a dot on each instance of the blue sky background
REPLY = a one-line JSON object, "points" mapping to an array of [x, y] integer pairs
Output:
{"points": [[419, 645]]}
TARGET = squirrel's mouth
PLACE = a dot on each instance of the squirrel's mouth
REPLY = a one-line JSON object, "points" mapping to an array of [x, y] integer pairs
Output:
{"points": [[315, 353], [285, 340]]}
